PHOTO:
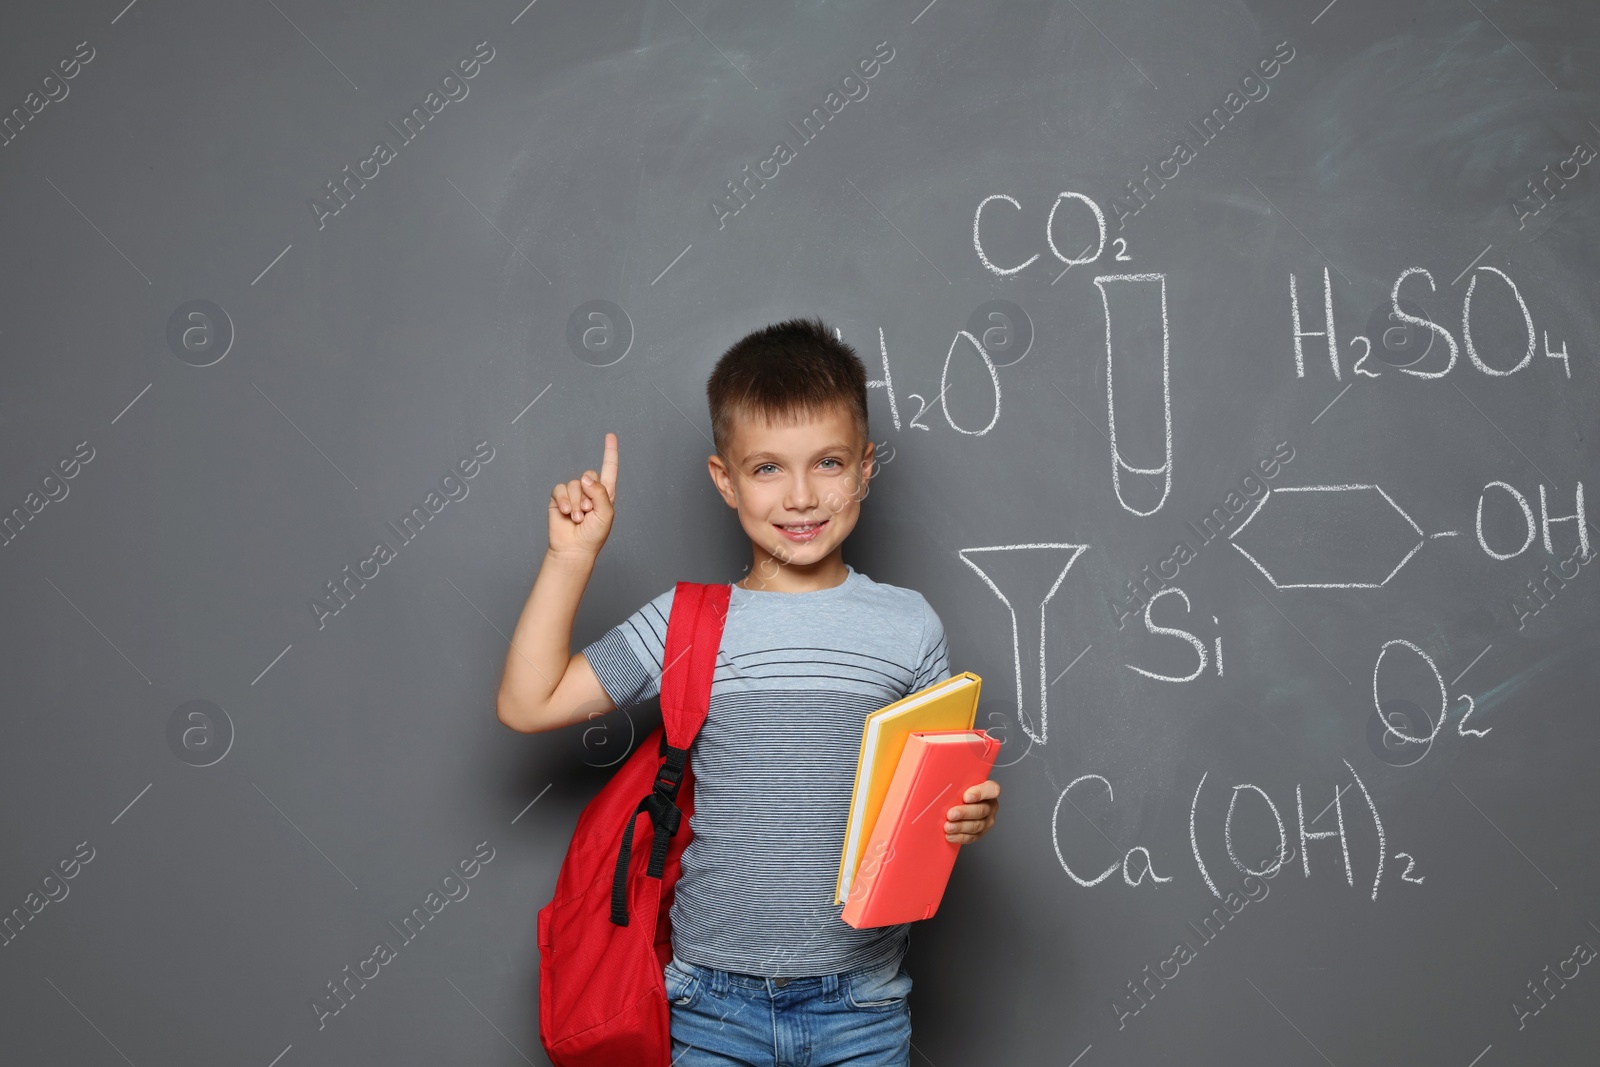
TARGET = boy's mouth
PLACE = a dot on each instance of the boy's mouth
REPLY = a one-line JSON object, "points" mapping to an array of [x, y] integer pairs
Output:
{"points": [[801, 532]]}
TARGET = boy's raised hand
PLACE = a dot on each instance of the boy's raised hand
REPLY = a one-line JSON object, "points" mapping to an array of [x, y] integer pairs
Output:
{"points": [[581, 510], [970, 821]]}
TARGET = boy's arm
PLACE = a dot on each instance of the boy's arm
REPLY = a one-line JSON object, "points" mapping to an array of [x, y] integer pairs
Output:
{"points": [[545, 686]]}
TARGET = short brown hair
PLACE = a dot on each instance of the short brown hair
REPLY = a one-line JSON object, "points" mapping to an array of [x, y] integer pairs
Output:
{"points": [[791, 367]]}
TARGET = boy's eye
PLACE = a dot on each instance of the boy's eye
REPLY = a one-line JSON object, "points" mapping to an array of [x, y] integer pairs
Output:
{"points": [[831, 463]]}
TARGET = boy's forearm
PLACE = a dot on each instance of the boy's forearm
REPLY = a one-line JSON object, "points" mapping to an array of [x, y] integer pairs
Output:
{"points": [[540, 645]]}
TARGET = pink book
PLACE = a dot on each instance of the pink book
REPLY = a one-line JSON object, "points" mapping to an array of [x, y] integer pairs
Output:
{"points": [[907, 862]]}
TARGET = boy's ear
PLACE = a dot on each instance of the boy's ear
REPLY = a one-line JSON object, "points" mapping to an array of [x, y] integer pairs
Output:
{"points": [[722, 478]]}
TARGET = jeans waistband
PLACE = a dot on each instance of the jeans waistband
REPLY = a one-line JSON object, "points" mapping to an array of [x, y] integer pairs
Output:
{"points": [[723, 981]]}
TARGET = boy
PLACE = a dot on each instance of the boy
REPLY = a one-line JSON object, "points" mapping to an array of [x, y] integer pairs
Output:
{"points": [[763, 971]]}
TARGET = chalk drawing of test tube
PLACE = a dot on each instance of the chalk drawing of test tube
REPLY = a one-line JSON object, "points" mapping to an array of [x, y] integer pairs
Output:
{"points": [[1134, 295], [1025, 621]]}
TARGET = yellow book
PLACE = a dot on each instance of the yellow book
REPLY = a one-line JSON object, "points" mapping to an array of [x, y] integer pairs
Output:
{"points": [[948, 705]]}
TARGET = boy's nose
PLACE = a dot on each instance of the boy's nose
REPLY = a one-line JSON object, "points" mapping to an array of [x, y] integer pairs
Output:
{"points": [[801, 496]]}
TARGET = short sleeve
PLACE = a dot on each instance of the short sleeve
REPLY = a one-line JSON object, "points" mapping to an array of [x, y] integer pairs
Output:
{"points": [[627, 658], [934, 652]]}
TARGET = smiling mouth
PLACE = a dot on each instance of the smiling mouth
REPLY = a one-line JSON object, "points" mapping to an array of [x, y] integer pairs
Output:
{"points": [[802, 531]]}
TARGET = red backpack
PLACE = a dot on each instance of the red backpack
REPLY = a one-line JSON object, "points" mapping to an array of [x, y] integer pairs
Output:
{"points": [[605, 938]]}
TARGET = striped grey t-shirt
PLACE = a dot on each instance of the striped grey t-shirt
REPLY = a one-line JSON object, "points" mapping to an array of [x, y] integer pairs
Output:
{"points": [[775, 763]]}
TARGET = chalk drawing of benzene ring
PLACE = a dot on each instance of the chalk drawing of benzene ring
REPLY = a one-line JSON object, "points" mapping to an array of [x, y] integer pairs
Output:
{"points": [[1422, 538], [1016, 644]]}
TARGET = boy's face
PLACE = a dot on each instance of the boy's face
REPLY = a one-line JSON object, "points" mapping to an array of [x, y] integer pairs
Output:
{"points": [[797, 485]]}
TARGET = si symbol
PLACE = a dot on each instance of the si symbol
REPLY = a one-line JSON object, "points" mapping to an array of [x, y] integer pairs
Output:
{"points": [[1182, 635]]}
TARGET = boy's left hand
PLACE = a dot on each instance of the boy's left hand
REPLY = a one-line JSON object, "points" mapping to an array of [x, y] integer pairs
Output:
{"points": [[970, 821]]}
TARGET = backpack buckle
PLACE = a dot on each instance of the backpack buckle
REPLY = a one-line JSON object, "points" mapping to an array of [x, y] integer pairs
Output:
{"points": [[669, 775], [668, 780]]}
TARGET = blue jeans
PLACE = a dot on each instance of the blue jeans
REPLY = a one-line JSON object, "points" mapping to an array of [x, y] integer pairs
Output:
{"points": [[725, 1019]]}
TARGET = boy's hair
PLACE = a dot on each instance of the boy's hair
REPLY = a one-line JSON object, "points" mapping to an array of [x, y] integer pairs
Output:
{"points": [[783, 370]]}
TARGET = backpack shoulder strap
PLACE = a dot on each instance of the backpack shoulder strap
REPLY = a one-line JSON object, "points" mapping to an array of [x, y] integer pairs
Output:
{"points": [[694, 635]]}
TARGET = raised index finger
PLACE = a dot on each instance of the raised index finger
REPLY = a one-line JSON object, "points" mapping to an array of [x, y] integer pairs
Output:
{"points": [[608, 466]]}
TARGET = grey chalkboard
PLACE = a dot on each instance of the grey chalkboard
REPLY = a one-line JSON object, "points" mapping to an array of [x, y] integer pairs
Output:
{"points": [[1236, 382]]}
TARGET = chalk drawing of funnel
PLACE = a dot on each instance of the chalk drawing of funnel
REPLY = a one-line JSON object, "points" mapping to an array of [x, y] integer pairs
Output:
{"points": [[1133, 351], [1023, 634]]}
